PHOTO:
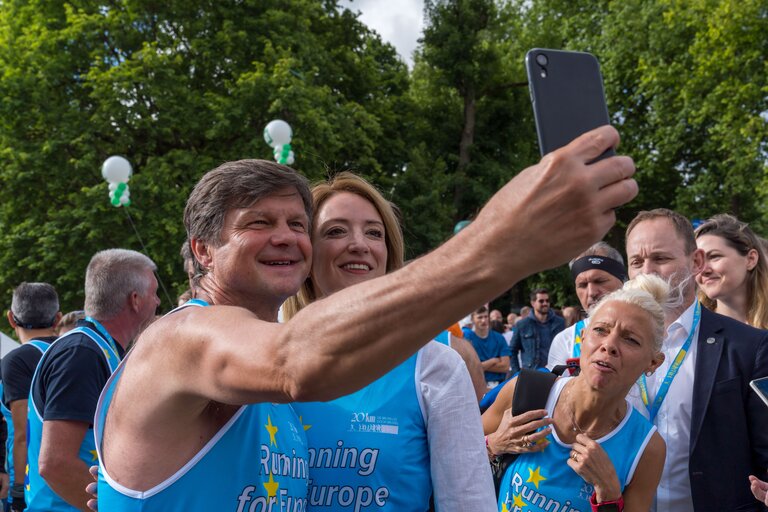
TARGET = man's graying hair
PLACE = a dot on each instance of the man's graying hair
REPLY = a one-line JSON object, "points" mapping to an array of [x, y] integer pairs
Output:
{"points": [[35, 304], [599, 249], [112, 275], [232, 185]]}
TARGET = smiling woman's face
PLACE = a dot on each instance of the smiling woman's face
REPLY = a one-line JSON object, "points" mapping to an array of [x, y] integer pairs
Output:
{"points": [[349, 243]]}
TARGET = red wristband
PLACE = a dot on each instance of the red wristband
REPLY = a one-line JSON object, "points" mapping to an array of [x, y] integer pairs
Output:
{"points": [[488, 448], [606, 506]]}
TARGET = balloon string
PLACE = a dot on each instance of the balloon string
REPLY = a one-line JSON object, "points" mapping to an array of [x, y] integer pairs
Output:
{"points": [[146, 252]]}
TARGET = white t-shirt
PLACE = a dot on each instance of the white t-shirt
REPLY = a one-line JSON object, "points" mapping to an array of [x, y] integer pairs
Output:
{"points": [[561, 348]]}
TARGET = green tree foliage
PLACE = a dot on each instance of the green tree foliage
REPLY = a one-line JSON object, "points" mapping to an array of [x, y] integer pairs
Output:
{"points": [[473, 128], [177, 88], [685, 82]]}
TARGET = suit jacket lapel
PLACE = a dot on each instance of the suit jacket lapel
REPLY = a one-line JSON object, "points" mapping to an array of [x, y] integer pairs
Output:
{"points": [[710, 344]]}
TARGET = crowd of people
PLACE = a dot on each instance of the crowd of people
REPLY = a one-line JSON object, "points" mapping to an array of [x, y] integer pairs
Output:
{"points": [[365, 396]]}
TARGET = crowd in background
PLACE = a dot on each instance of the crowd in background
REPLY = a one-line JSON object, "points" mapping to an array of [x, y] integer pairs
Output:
{"points": [[653, 409]]}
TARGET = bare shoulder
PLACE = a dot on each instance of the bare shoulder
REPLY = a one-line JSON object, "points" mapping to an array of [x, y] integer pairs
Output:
{"points": [[656, 448]]}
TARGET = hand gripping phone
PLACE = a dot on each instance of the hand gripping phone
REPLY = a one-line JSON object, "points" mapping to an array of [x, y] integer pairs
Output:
{"points": [[567, 95]]}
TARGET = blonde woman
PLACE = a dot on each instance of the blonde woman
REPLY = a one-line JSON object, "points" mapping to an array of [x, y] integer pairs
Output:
{"points": [[413, 433], [590, 448]]}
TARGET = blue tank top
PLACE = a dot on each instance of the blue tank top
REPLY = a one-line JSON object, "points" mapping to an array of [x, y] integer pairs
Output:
{"points": [[256, 462], [8, 462], [39, 496], [368, 450], [543, 481], [42, 346]]}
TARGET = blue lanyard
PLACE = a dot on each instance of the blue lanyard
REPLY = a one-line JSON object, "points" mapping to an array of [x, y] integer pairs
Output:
{"points": [[671, 372], [103, 331]]}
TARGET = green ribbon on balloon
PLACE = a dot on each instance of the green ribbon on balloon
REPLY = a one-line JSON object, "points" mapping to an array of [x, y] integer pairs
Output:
{"points": [[282, 153], [116, 197]]}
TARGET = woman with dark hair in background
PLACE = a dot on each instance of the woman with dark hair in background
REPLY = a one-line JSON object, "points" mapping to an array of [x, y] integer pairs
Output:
{"points": [[734, 281]]}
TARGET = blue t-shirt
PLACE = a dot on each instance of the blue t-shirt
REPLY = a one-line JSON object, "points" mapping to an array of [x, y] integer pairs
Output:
{"points": [[494, 345]]}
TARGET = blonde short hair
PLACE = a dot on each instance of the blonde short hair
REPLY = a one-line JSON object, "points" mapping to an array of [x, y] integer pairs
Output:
{"points": [[652, 294]]}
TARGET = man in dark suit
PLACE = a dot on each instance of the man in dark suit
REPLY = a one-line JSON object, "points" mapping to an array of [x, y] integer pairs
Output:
{"points": [[715, 427]]}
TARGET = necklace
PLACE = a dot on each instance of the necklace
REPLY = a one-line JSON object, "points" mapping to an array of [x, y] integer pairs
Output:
{"points": [[592, 434]]}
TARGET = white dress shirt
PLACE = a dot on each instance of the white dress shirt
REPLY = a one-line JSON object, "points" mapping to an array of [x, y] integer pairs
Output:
{"points": [[673, 419], [461, 474]]}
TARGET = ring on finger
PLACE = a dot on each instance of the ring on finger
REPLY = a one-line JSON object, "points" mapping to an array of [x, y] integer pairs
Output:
{"points": [[574, 456]]}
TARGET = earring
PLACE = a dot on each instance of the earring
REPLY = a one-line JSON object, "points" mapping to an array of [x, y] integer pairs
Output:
{"points": [[648, 373]]}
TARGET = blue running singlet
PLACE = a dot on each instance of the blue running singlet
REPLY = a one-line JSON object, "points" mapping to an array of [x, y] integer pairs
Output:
{"points": [[257, 462], [543, 481], [42, 346], [38, 495], [368, 450]]}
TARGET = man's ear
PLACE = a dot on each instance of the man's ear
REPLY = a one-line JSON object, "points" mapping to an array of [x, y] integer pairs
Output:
{"points": [[57, 319], [11, 321], [134, 301], [201, 251]]}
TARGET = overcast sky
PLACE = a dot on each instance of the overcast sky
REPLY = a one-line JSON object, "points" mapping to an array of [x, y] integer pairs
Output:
{"points": [[399, 22]]}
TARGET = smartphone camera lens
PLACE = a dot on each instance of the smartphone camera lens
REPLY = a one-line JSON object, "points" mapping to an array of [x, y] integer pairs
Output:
{"points": [[542, 60]]}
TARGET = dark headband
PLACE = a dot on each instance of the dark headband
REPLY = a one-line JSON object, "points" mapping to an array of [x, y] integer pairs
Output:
{"points": [[24, 325], [603, 263]]}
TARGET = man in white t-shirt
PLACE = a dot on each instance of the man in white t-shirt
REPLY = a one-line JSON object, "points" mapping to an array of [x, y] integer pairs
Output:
{"points": [[596, 272]]}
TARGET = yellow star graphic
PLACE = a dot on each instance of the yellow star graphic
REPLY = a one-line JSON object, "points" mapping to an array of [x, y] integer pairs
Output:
{"points": [[518, 501], [94, 455], [306, 427], [535, 476], [271, 486], [504, 507], [272, 431]]}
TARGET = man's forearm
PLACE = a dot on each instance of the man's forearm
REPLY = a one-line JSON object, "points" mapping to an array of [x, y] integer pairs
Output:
{"points": [[68, 478], [496, 364], [19, 457]]}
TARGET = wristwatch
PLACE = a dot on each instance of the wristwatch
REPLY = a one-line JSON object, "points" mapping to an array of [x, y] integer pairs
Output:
{"points": [[606, 506]]}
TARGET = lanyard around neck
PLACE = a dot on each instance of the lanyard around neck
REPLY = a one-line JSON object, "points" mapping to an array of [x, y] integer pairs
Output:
{"points": [[104, 333], [653, 409]]}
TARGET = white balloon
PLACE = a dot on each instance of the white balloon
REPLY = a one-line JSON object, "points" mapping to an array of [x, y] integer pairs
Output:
{"points": [[124, 199], [116, 169], [112, 187], [290, 159], [277, 132]]}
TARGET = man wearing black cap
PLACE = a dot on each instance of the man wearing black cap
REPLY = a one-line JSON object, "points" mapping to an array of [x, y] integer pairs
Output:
{"points": [[596, 272], [34, 316]]}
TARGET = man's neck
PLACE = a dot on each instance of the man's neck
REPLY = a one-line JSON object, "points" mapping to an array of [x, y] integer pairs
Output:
{"points": [[482, 333], [541, 317], [32, 334], [120, 331], [673, 315], [263, 309]]}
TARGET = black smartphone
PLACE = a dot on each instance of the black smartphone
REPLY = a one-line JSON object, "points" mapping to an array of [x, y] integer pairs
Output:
{"points": [[760, 386], [567, 95]]}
